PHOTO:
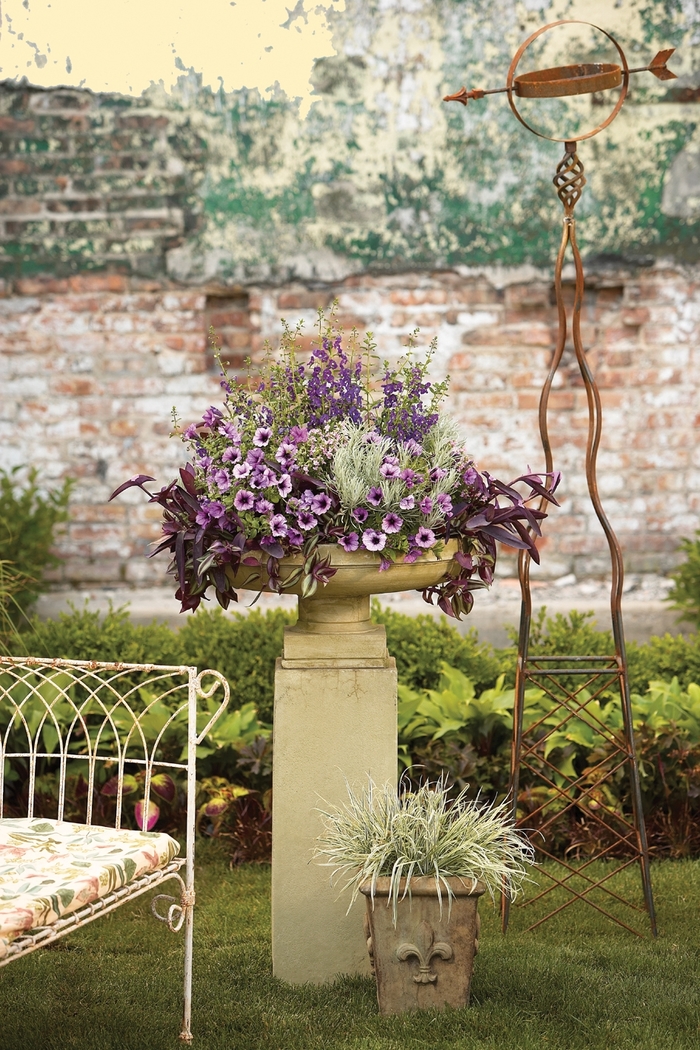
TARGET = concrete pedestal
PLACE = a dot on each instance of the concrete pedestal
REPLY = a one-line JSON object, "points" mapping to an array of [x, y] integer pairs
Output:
{"points": [[335, 721]]}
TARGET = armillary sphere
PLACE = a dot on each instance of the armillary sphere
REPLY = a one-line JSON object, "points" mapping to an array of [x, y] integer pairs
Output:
{"points": [[545, 792]]}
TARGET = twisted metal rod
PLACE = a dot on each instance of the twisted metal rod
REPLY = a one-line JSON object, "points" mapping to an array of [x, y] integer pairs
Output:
{"points": [[569, 181]]}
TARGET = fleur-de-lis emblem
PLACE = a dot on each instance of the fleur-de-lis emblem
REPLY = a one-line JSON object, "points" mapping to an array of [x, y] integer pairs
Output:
{"points": [[424, 950]]}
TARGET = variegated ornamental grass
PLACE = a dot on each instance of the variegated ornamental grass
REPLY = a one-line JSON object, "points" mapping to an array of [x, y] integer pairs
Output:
{"points": [[381, 832]]}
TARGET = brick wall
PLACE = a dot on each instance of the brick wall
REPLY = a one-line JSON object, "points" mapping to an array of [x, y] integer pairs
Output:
{"points": [[88, 181], [92, 364]]}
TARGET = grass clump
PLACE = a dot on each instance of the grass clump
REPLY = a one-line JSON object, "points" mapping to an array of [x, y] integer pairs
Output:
{"points": [[380, 832]]}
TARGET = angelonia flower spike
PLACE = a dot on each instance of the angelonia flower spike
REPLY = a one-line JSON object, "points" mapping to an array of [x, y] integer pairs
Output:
{"points": [[328, 452]]}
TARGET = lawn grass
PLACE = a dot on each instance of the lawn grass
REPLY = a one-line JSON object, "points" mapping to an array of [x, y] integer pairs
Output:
{"points": [[578, 983]]}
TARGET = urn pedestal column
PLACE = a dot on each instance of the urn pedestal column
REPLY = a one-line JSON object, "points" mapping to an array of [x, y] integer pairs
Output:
{"points": [[335, 722]]}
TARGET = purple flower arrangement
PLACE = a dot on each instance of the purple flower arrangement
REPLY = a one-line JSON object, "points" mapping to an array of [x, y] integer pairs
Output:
{"points": [[323, 452]]}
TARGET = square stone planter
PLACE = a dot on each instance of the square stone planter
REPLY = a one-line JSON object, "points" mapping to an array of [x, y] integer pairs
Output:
{"points": [[425, 961]]}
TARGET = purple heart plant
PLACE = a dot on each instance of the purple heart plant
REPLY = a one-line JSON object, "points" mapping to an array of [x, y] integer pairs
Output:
{"points": [[325, 452]]}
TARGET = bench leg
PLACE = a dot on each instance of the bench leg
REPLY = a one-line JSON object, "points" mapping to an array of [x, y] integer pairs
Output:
{"points": [[186, 1033]]}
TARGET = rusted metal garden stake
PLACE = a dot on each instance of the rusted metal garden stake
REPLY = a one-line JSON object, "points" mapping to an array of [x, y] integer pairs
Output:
{"points": [[575, 683]]}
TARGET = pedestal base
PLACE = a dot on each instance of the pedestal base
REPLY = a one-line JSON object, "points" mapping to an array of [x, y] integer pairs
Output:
{"points": [[335, 722]]}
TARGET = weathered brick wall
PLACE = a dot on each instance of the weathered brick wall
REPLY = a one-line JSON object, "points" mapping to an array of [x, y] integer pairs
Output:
{"points": [[88, 181], [92, 365]]}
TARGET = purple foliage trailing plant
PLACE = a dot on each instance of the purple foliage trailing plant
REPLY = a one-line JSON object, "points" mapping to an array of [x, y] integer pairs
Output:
{"points": [[323, 453]]}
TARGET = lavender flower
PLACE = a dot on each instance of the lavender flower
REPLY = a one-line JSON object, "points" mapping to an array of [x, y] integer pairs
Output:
{"points": [[425, 537], [350, 542], [360, 514], [408, 503], [426, 505], [244, 500], [284, 485], [375, 496], [262, 436], [278, 525], [306, 520], [373, 540], [392, 522]]}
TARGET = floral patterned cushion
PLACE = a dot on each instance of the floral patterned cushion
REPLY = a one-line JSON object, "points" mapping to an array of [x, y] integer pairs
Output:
{"points": [[50, 868]]}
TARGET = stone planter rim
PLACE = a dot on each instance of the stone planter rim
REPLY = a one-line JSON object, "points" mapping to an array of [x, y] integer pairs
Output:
{"points": [[424, 886], [358, 572]]}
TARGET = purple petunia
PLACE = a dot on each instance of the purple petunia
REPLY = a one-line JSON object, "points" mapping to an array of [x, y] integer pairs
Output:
{"points": [[299, 435], [306, 520], [408, 503], [392, 522], [231, 455], [263, 478], [426, 505], [425, 537], [244, 500], [230, 431], [375, 496], [262, 436], [472, 478], [284, 485], [278, 525], [408, 476], [216, 509], [205, 461], [212, 416], [350, 542], [444, 503], [373, 438], [437, 474], [286, 454], [191, 431], [373, 540], [241, 470], [222, 480], [413, 447], [360, 514], [263, 506], [390, 470], [255, 456], [294, 538], [321, 503]]}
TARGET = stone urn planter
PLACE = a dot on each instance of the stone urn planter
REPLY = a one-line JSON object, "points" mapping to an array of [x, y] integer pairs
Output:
{"points": [[426, 960]]}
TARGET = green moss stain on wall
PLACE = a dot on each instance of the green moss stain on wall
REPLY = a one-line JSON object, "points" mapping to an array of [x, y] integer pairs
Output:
{"points": [[380, 173]]}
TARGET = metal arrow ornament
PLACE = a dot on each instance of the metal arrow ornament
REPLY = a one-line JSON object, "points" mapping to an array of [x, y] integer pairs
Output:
{"points": [[547, 790]]}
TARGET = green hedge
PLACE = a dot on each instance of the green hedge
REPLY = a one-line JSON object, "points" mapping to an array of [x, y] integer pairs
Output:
{"points": [[244, 647]]}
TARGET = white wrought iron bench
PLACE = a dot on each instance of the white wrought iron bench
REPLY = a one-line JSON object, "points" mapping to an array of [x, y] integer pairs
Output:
{"points": [[87, 752]]}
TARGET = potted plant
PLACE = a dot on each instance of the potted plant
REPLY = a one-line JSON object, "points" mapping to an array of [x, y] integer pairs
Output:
{"points": [[422, 861], [325, 467]]}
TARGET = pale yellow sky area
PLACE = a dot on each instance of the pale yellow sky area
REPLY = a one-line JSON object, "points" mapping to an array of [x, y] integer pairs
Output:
{"points": [[125, 45]]}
